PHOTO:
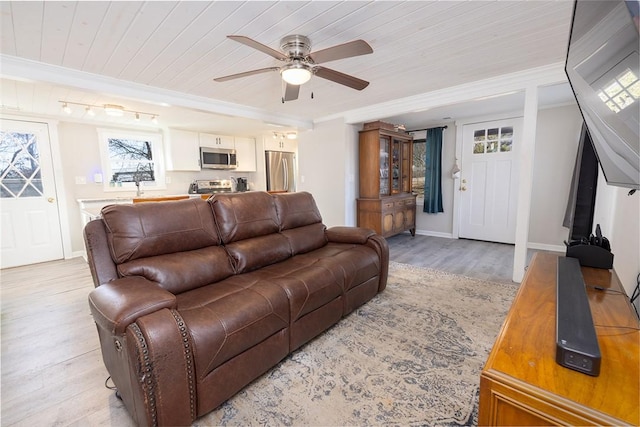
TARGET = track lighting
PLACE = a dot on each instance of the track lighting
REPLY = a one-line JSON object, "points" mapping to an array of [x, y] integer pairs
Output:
{"points": [[283, 135], [114, 110]]}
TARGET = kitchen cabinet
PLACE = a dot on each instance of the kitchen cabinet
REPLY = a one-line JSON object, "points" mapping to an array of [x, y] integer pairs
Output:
{"points": [[245, 154], [386, 203], [280, 144], [182, 152], [216, 141]]}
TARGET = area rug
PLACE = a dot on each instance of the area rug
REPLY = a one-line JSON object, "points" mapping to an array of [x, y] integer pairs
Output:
{"points": [[410, 356]]}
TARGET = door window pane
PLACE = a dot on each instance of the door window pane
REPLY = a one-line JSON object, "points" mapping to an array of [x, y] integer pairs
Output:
{"points": [[19, 165]]}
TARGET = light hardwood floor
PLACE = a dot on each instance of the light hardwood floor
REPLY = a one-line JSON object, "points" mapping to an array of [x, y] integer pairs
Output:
{"points": [[52, 370]]}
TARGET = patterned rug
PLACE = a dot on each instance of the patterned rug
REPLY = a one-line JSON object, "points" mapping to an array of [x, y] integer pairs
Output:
{"points": [[410, 356]]}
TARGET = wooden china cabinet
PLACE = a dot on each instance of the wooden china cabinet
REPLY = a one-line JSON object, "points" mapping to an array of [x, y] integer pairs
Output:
{"points": [[386, 203]]}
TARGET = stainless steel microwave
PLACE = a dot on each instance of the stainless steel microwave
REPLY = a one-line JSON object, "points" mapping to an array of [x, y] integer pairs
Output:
{"points": [[218, 158]]}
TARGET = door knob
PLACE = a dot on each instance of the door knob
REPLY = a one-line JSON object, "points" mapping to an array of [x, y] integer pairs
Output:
{"points": [[51, 200]]}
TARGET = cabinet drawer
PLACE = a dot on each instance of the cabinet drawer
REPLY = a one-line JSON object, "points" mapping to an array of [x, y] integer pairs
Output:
{"points": [[387, 206]]}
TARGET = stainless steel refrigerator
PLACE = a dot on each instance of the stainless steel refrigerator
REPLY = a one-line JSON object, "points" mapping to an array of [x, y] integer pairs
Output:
{"points": [[281, 171]]}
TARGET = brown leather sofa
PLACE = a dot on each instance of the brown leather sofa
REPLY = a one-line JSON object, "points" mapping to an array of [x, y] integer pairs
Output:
{"points": [[194, 299]]}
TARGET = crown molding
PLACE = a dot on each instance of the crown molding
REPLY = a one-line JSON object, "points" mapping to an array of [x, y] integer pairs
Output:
{"points": [[491, 87], [28, 70]]}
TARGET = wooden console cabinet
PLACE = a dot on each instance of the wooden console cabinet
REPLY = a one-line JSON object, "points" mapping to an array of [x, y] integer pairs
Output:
{"points": [[386, 203], [521, 383]]}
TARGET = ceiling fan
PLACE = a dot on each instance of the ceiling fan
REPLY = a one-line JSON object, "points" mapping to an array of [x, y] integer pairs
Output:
{"points": [[300, 63]]}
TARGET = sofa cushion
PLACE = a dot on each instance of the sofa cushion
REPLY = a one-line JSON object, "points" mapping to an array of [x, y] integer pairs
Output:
{"points": [[296, 209], [308, 284], [300, 221], [251, 254], [241, 216], [183, 271], [357, 263], [231, 316], [148, 229]]}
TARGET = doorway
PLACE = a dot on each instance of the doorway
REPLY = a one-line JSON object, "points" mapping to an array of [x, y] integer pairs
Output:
{"points": [[28, 201], [489, 180]]}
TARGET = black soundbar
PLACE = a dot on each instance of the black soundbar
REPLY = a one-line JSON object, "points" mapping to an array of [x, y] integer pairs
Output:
{"points": [[576, 341]]}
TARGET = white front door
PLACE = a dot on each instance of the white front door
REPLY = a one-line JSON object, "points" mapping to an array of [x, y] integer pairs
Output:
{"points": [[489, 180], [30, 224]]}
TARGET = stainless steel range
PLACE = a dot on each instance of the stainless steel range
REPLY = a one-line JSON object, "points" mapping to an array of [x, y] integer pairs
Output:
{"points": [[210, 186]]}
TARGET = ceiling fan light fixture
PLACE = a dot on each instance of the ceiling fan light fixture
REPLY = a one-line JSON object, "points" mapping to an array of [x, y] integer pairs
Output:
{"points": [[296, 73]]}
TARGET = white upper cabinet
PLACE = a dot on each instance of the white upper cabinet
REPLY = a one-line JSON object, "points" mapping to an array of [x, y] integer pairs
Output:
{"points": [[280, 144], [246, 154], [216, 141], [182, 151]]}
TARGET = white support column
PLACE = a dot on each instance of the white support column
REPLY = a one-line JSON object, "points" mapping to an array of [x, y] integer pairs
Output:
{"points": [[527, 151]]}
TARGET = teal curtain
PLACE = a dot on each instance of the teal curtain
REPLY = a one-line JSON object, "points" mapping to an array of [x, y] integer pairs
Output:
{"points": [[433, 172]]}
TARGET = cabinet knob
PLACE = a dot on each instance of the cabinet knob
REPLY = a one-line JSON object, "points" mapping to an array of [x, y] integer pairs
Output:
{"points": [[463, 188], [51, 200]]}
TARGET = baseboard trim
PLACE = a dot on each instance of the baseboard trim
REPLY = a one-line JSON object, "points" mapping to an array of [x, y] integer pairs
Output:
{"points": [[435, 234], [547, 247]]}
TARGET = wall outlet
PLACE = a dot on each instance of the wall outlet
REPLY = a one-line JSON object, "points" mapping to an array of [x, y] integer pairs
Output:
{"points": [[97, 178], [167, 180], [80, 180]]}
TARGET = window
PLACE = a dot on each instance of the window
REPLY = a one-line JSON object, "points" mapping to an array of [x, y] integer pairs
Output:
{"points": [[419, 167], [493, 140], [20, 174], [130, 158]]}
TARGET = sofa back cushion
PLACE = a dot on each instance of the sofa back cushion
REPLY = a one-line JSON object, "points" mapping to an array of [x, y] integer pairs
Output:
{"points": [[241, 216], [248, 226], [300, 221], [144, 230], [182, 271]]}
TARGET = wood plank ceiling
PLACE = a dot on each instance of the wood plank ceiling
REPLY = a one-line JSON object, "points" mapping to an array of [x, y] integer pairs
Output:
{"points": [[419, 47]]}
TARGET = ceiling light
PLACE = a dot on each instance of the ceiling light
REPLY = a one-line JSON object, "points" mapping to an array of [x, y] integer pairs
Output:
{"points": [[296, 73], [110, 109], [114, 110], [292, 135]]}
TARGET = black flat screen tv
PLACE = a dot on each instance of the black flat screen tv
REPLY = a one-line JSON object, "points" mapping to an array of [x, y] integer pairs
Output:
{"points": [[603, 68]]}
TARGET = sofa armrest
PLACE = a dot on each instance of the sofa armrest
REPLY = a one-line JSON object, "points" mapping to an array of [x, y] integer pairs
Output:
{"points": [[342, 234], [117, 304]]}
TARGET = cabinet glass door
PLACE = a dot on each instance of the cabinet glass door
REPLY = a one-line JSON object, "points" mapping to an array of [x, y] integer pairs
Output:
{"points": [[384, 165], [407, 160], [396, 166]]}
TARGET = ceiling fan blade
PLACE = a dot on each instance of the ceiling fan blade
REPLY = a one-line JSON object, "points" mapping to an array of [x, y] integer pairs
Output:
{"points": [[245, 74], [291, 92], [343, 79], [341, 51], [259, 46]]}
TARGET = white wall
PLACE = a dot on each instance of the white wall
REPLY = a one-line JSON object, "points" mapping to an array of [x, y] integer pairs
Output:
{"points": [[327, 161], [557, 138], [618, 215]]}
